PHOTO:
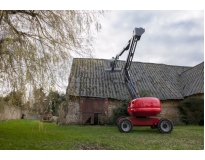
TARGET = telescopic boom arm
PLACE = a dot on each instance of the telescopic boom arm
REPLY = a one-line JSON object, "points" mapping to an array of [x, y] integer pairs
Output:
{"points": [[131, 45]]}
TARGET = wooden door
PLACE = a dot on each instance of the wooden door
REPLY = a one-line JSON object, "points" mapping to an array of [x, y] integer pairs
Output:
{"points": [[93, 111]]}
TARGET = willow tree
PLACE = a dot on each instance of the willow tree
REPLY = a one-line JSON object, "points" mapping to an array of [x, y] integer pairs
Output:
{"points": [[36, 47]]}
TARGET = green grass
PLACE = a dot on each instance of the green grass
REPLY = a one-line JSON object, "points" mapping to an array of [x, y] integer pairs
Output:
{"points": [[32, 135]]}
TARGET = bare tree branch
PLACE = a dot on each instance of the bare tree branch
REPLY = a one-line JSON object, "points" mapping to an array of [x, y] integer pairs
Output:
{"points": [[37, 46]]}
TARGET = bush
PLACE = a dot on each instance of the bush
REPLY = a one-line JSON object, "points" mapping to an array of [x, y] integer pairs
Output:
{"points": [[14, 98], [120, 111], [192, 110]]}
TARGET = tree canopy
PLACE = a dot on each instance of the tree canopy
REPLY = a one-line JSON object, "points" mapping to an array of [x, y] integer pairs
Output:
{"points": [[36, 47], [14, 98]]}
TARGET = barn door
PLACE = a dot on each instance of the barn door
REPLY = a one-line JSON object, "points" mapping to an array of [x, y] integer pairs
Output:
{"points": [[93, 111]]}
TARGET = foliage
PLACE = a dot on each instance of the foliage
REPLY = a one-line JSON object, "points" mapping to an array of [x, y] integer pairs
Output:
{"points": [[14, 98], [47, 103], [192, 110], [40, 101], [120, 111], [145, 93], [35, 135], [2, 102], [55, 99], [37, 46]]}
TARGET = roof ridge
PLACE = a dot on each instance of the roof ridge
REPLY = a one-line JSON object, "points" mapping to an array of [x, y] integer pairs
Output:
{"points": [[138, 62]]}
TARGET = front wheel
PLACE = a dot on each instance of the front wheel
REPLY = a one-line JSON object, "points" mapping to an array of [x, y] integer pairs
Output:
{"points": [[124, 125], [165, 126], [117, 121]]}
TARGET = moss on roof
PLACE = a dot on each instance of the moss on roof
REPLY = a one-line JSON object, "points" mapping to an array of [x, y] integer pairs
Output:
{"points": [[89, 79]]}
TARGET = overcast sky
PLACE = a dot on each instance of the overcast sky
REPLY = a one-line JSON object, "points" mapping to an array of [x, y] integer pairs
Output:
{"points": [[171, 37], [174, 31]]}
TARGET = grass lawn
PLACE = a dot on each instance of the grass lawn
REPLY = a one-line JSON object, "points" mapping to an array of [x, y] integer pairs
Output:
{"points": [[35, 135]]}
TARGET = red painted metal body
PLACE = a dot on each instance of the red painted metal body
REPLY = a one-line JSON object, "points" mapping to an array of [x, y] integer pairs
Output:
{"points": [[147, 121], [142, 121], [143, 107], [143, 111]]}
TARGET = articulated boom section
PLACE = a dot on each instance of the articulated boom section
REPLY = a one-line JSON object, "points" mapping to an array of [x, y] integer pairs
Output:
{"points": [[133, 43], [131, 46], [131, 88]]}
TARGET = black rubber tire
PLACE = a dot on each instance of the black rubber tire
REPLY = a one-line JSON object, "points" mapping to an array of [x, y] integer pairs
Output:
{"points": [[165, 126], [124, 125], [117, 121]]}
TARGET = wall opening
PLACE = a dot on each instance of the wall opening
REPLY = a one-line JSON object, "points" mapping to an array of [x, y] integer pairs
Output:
{"points": [[96, 122], [93, 111]]}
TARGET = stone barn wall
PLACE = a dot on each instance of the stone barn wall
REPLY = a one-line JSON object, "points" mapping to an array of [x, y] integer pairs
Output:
{"points": [[196, 95], [69, 112], [170, 111]]}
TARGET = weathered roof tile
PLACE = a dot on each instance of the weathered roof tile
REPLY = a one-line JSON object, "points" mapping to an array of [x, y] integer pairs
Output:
{"points": [[89, 79], [192, 80]]}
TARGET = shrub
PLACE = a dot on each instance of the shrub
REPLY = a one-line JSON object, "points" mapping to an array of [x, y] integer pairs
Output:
{"points": [[14, 98], [120, 111], [192, 110]]}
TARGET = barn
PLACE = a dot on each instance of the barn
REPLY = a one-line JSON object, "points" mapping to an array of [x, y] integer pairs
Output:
{"points": [[92, 93]]}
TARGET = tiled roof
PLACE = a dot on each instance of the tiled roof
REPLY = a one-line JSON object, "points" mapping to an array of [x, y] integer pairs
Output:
{"points": [[89, 79], [192, 80]]}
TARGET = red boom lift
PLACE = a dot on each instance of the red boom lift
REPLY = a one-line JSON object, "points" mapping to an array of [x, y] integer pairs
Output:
{"points": [[143, 111]]}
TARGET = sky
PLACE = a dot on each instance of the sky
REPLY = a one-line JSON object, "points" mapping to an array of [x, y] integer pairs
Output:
{"points": [[174, 32], [173, 37]]}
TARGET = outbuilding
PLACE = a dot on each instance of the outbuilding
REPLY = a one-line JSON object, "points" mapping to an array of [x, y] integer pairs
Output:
{"points": [[92, 93]]}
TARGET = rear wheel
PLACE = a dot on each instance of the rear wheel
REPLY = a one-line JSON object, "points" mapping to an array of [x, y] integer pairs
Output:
{"points": [[165, 126], [124, 125]]}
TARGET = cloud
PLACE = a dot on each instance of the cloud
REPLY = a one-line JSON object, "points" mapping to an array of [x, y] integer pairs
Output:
{"points": [[171, 37]]}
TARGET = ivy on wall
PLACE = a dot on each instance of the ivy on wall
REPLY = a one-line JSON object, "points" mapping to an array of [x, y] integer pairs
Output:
{"points": [[192, 111]]}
